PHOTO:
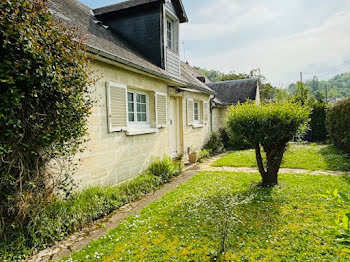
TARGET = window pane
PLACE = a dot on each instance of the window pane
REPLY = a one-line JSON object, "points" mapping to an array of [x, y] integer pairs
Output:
{"points": [[131, 117], [138, 108], [138, 98], [130, 97], [143, 108], [143, 99], [139, 117], [170, 34], [131, 107], [144, 117]]}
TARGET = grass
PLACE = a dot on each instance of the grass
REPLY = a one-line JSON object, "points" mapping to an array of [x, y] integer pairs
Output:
{"points": [[310, 157], [223, 216], [61, 217]]}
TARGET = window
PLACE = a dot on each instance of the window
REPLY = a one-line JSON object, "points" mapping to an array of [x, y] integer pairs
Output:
{"points": [[171, 34], [196, 115], [137, 107], [170, 31]]}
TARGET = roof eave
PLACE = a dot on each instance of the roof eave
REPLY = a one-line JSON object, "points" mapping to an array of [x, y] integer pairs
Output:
{"points": [[114, 58]]}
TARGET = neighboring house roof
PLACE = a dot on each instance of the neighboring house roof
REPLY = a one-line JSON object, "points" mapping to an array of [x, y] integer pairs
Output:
{"points": [[234, 91], [135, 3], [195, 73], [104, 43], [190, 72]]}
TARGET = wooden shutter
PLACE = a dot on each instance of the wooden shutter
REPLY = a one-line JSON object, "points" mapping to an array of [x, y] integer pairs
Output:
{"points": [[190, 111], [117, 107], [161, 109], [205, 112]]}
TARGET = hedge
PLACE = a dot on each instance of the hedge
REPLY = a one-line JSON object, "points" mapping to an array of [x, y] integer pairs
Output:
{"points": [[338, 124]]}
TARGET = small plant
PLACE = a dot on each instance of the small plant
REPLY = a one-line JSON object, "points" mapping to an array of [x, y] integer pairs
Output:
{"points": [[343, 220], [203, 155], [179, 157], [165, 168], [214, 143]]}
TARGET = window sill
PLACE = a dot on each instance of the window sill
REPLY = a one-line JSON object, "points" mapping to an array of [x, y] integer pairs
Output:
{"points": [[144, 131], [198, 125]]}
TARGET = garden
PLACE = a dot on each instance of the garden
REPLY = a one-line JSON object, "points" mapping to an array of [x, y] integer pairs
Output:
{"points": [[265, 215], [223, 216]]}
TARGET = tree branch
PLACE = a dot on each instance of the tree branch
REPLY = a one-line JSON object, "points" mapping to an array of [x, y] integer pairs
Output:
{"points": [[259, 160]]}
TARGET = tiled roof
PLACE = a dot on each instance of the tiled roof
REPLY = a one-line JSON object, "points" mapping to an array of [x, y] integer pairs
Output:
{"points": [[234, 91], [103, 42]]}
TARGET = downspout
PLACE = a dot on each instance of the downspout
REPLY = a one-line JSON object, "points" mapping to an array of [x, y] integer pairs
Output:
{"points": [[211, 112]]}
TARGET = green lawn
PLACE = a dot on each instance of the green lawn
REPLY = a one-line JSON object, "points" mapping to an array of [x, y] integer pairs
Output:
{"points": [[223, 216], [311, 157]]}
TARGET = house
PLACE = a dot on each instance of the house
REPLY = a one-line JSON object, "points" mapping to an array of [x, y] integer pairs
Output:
{"points": [[147, 102], [228, 93]]}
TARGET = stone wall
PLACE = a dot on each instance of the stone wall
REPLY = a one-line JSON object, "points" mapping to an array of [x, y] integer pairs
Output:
{"points": [[111, 158]]}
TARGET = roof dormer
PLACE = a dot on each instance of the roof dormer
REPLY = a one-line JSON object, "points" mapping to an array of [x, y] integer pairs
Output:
{"points": [[150, 26]]}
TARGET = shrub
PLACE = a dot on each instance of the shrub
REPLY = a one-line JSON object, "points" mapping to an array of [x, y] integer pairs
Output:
{"points": [[233, 142], [204, 154], [318, 131], [338, 124], [44, 106], [61, 217], [214, 144], [165, 168], [271, 127], [342, 220]]}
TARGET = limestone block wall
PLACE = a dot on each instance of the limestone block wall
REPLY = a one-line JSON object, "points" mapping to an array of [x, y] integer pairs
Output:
{"points": [[219, 115], [194, 137], [112, 158]]}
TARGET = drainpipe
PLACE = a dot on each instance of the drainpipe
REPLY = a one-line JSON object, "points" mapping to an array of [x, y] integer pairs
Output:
{"points": [[211, 113]]}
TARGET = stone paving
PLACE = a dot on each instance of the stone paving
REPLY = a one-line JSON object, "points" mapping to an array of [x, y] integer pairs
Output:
{"points": [[79, 240]]}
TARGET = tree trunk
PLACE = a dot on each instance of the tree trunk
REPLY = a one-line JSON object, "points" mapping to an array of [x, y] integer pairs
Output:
{"points": [[274, 159], [259, 160]]}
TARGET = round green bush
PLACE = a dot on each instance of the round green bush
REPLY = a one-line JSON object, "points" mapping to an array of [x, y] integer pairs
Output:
{"points": [[338, 124]]}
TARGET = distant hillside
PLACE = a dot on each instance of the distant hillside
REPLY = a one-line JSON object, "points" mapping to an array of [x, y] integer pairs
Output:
{"points": [[338, 86]]}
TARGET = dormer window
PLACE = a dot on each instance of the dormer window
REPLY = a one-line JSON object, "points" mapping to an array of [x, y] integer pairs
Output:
{"points": [[171, 34]]}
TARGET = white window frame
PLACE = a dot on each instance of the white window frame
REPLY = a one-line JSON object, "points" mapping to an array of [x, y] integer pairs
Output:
{"points": [[136, 123], [175, 32], [197, 121]]}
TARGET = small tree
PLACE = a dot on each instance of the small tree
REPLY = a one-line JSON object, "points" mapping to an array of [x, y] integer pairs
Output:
{"points": [[271, 127], [44, 105]]}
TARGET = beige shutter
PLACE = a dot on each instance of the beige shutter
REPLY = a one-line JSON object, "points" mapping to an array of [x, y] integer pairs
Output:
{"points": [[161, 109], [117, 109], [190, 111], [205, 112]]}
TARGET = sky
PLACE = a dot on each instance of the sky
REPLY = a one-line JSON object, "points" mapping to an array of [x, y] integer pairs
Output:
{"points": [[281, 37]]}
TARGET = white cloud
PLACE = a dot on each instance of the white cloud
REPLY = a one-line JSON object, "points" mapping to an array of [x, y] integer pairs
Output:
{"points": [[231, 19], [281, 58], [321, 46]]}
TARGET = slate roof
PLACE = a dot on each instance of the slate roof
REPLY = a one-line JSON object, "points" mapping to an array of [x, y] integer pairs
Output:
{"points": [[102, 42], [234, 91], [134, 3]]}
